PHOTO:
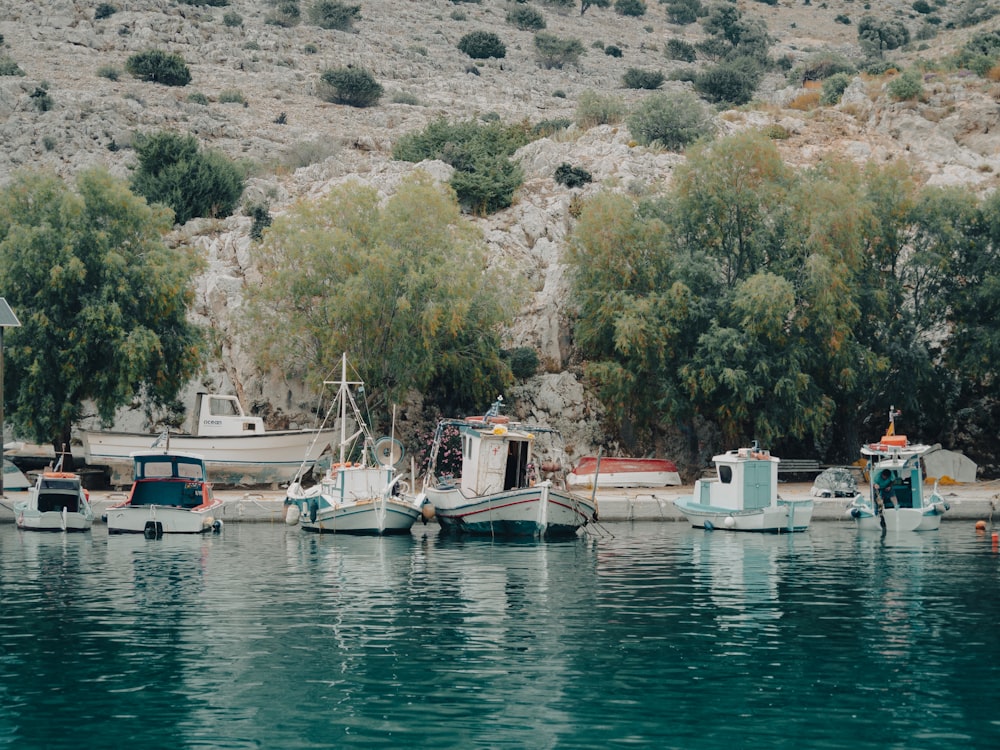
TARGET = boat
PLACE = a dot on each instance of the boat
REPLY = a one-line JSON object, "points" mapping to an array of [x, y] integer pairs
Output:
{"points": [[170, 494], [56, 502], [610, 471], [361, 493], [897, 499], [13, 477], [499, 490], [744, 496], [238, 450]]}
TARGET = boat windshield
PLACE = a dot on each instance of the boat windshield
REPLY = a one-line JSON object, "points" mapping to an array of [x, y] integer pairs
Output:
{"points": [[169, 467], [224, 407]]}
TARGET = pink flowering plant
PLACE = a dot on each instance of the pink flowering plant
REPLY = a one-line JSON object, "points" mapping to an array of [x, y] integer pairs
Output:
{"points": [[449, 452]]}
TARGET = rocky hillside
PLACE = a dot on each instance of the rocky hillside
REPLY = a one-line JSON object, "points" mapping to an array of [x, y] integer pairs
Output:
{"points": [[254, 87]]}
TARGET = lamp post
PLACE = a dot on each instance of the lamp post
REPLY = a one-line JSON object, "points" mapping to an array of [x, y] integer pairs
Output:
{"points": [[7, 320]]}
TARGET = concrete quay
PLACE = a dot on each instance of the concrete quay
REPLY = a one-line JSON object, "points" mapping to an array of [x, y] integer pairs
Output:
{"points": [[968, 502]]}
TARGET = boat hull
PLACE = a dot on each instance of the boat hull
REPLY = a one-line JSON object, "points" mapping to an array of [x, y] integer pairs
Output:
{"points": [[898, 519], [161, 519], [540, 511], [33, 520], [243, 460], [364, 519], [786, 517], [624, 472]]}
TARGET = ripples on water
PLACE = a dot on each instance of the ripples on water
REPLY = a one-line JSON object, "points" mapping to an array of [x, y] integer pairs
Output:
{"points": [[658, 636]]}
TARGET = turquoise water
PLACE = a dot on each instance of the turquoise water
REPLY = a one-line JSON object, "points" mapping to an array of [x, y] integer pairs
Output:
{"points": [[657, 635]]}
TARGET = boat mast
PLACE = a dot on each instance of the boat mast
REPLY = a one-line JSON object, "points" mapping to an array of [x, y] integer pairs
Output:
{"points": [[343, 406]]}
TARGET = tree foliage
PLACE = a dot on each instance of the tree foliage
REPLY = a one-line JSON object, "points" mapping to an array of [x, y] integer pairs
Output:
{"points": [[485, 178], [172, 170], [482, 45], [876, 35], [400, 286], [672, 120], [157, 66], [789, 307], [333, 14], [102, 302], [355, 87], [553, 51]]}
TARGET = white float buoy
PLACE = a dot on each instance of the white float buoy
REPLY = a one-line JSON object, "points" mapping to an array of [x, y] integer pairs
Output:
{"points": [[292, 513], [730, 522]]}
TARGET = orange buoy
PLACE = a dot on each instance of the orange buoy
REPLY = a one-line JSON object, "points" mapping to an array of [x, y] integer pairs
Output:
{"points": [[980, 525]]}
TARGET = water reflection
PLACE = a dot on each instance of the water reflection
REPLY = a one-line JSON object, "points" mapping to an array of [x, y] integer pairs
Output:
{"points": [[658, 636]]}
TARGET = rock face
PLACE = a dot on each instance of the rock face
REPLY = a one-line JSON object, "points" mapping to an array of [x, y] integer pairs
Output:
{"points": [[305, 145]]}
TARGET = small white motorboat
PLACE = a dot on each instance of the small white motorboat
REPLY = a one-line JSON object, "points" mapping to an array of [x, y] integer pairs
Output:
{"points": [[56, 502], [744, 496], [170, 494], [897, 499]]}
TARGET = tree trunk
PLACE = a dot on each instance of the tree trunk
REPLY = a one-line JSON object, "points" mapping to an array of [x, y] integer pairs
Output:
{"points": [[63, 451]]}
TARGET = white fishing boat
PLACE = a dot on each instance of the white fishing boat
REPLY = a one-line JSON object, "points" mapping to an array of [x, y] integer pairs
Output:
{"points": [[744, 496], [361, 493], [170, 494], [897, 499], [615, 471], [238, 450], [56, 502], [500, 491]]}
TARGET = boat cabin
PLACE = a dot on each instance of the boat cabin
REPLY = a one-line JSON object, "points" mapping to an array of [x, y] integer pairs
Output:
{"points": [[56, 492], [351, 483], [895, 472], [898, 482], [495, 458], [224, 415], [747, 479]]}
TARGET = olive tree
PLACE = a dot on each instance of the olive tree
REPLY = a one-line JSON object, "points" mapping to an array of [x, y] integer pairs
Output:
{"points": [[350, 273], [102, 301]]}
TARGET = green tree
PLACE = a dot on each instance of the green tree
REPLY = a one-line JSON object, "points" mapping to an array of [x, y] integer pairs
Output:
{"points": [[485, 179], [348, 273], [683, 12], [672, 120], [355, 87], [732, 82], [876, 35], [833, 88], [172, 170], [102, 302], [158, 66], [526, 17], [637, 78], [552, 51], [482, 45], [908, 85], [333, 14]]}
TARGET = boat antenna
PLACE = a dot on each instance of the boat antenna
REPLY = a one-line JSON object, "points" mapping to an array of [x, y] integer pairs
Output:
{"points": [[494, 410], [893, 413]]}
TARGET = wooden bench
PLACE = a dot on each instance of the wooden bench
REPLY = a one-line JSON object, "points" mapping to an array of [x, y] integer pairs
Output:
{"points": [[799, 466]]}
